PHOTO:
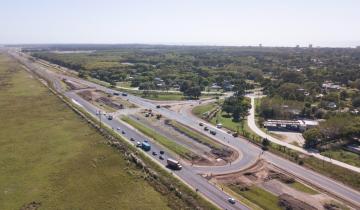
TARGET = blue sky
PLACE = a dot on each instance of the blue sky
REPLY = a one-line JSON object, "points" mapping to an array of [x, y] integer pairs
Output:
{"points": [[221, 22]]}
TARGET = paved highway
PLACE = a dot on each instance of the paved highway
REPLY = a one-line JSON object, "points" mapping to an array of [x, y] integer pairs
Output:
{"points": [[249, 152]]}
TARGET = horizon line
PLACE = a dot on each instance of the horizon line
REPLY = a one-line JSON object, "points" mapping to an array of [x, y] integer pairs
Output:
{"points": [[194, 44]]}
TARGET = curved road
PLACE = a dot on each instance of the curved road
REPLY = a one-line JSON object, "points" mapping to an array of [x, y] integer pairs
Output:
{"points": [[258, 131]]}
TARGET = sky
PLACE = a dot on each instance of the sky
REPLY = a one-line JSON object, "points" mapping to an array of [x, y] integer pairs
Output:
{"points": [[328, 23]]}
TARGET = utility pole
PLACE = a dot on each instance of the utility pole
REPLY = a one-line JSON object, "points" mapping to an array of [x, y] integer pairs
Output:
{"points": [[100, 118]]}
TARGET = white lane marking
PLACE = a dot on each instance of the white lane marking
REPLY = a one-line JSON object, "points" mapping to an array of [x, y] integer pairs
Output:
{"points": [[77, 103]]}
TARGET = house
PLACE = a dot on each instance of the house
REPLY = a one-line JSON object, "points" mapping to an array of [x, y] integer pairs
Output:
{"points": [[319, 95], [295, 125], [229, 87], [176, 87], [355, 111], [158, 79], [330, 86], [215, 86], [331, 105]]}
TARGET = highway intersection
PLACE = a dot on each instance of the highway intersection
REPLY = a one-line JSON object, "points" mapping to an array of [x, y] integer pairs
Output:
{"points": [[190, 175]]}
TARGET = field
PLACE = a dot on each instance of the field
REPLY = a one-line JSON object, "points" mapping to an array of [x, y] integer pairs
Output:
{"points": [[196, 135], [303, 188], [51, 156], [201, 109], [258, 196], [343, 156]]}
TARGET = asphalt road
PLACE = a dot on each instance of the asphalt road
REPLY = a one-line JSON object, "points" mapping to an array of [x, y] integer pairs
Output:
{"points": [[249, 152]]}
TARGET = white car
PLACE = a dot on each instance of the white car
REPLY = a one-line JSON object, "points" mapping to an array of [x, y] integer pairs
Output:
{"points": [[118, 128], [138, 144]]}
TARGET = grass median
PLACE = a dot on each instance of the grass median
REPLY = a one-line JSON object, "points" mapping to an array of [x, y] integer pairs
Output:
{"points": [[196, 135], [303, 188], [258, 196], [171, 145]]}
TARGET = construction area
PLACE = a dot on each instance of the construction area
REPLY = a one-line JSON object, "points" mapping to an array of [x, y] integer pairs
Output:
{"points": [[270, 188]]}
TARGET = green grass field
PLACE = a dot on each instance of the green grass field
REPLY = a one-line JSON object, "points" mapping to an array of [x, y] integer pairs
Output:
{"points": [[164, 97], [303, 188], [50, 155], [171, 145], [343, 156], [258, 196], [226, 121], [196, 135], [201, 109]]}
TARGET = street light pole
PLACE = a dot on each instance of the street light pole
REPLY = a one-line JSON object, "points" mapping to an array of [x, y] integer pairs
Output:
{"points": [[100, 118]]}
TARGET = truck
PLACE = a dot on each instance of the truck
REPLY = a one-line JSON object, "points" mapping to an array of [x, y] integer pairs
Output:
{"points": [[145, 146], [173, 164]]}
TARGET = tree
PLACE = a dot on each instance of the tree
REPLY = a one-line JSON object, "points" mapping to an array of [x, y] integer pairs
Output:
{"points": [[312, 137], [193, 92], [343, 95], [237, 106], [292, 77], [112, 83], [239, 88], [290, 91], [265, 143], [190, 89], [356, 102], [82, 74]]}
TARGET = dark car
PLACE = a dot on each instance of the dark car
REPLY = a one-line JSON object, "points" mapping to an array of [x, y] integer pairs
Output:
{"points": [[213, 133], [158, 106], [132, 139], [206, 128], [201, 124], [154, 153], [231, 200], [162, 152], [161, 157], [124, 94], [123, 132]]}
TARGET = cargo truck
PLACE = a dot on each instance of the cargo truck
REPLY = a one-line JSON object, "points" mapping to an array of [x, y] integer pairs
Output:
{"points": [[173, 164]]}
